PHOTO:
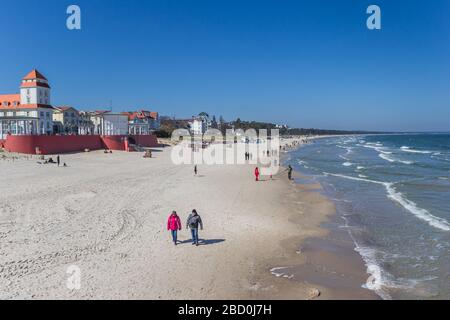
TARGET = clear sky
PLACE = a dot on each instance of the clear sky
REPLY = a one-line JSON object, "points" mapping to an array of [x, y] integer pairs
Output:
{"points": [[304, 63]]}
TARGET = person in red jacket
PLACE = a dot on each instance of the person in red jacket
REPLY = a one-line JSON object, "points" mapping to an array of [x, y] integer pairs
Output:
{"points": [[257, 174], [174, 225]]}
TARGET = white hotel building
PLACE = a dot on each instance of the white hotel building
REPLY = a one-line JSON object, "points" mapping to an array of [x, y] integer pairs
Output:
{"points": [[30, 111]]}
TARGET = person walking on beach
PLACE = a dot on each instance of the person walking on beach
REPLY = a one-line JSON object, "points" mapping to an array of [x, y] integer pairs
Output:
{"points": [[257, 173], [174, 225], [193, 222], [58, 160], [289, 170]]}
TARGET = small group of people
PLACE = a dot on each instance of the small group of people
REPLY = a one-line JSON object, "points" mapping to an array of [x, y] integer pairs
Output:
{"points": [[194, 221], [248, 156], [50, 160], [289, 171]]}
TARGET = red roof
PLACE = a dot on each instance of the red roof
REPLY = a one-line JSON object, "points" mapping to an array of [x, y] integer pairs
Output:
{"points": [[154, 115], [142, 114], [34, 84], [34, 74], [10, 99]]}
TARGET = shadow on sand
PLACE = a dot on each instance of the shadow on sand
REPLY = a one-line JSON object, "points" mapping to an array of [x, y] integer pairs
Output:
{"points": [[203, 242]]}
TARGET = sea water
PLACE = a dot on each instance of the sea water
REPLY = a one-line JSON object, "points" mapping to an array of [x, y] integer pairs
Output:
{"points": [[392, 193]]}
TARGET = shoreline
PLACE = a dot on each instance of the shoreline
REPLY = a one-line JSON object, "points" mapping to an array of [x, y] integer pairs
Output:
{"points": [[329, 260]]}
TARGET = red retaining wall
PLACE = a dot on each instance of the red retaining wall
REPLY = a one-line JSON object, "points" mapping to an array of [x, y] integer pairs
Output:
{"points": [[66, 144], [149, 141], [114, 142]]}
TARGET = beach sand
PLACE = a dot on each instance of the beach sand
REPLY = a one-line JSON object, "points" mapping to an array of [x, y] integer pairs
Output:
{"points": [[106, 214]]}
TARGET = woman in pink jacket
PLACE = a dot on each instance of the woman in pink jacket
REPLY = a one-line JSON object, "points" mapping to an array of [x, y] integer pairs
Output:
{"points": [[174, 225]]}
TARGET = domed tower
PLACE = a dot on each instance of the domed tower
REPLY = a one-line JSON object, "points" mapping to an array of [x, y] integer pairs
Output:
{"points": [[35, 90]]}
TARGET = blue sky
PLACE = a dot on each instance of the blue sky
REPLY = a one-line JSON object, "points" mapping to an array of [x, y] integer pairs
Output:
{"points": [[305, 63]]}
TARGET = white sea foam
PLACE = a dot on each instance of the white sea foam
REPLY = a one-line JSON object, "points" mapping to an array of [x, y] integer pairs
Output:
{"points": [[278, 273], [409, 205], [347, 164], [385, 156], [377, 281], [360, 167], [420, 213], [408, 149]]}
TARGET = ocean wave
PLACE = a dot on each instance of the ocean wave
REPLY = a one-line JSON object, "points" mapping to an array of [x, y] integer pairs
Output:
{"points": [[385, 156], [420, 213], [440, 157], [303, 163], [408, 149], [407, 204], [360, 167], [378, 144], [347, 164], [378, 279]]}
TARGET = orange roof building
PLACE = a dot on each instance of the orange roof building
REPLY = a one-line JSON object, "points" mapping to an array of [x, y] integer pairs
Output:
{"points": [[30, 111], [142, 122]]}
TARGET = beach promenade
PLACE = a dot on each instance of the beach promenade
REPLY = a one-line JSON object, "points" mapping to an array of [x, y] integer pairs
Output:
{"points": [[106, 215]]}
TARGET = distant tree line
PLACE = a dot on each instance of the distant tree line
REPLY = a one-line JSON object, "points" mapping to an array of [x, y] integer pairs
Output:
{"points": [[168, 125]]}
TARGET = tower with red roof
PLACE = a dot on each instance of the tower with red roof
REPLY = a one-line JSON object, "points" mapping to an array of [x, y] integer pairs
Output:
{"points": [[35, 90]]}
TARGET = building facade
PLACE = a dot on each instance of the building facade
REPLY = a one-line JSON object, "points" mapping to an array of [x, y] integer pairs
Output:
{"points": [[108, 123], [66, 120], [28, 112], [85, 124], [143, 122]]}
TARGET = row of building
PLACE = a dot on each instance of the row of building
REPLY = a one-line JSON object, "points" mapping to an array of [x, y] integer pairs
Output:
{"points": [[30, 113]]}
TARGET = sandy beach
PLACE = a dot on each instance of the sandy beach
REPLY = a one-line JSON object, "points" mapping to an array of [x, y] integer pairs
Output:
{"points": [[106, 214]]}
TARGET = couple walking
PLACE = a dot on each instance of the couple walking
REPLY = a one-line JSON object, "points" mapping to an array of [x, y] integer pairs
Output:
{"points": [[193, 222]]}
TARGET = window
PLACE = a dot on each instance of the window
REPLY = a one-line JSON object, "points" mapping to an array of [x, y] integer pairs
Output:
{"points": [[42, 114]]}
